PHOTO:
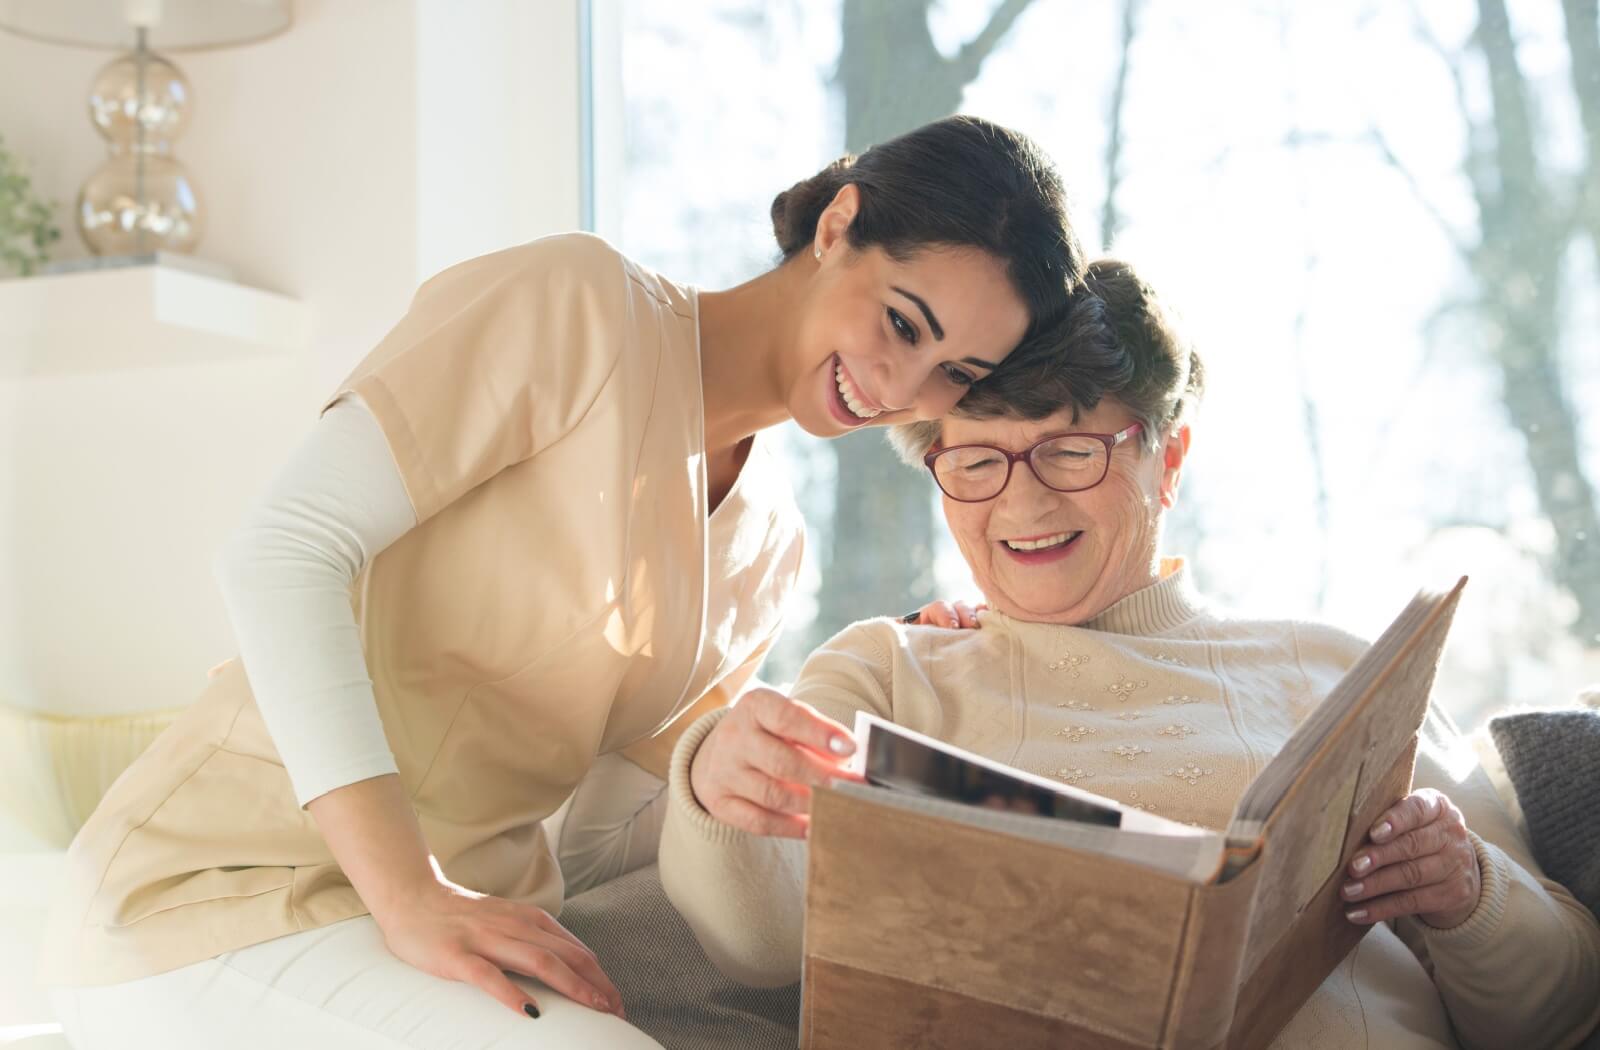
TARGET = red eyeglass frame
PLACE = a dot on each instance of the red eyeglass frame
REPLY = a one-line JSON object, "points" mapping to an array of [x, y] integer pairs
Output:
{"points": [[1110, 441]]}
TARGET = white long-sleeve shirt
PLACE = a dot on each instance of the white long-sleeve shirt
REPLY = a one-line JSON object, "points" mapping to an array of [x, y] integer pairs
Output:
{"points": [[286, 573]]}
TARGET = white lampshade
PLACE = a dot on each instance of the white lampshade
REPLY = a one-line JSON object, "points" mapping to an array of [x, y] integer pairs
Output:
{"points": [[171, 25]]}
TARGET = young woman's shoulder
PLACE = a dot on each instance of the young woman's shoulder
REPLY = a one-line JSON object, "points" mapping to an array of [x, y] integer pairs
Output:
{"points": [[575, 258], [577, 266], [573, 250]]}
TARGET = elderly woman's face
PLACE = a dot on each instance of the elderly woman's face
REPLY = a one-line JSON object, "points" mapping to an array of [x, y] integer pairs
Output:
{"points": [[1098, 545]]}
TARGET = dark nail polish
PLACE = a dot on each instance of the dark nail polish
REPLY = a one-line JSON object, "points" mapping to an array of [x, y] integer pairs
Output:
{"points": [[530, 1009]]}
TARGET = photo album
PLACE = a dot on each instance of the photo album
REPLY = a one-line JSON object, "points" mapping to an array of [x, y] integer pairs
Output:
{"points": [[1073, 920]]}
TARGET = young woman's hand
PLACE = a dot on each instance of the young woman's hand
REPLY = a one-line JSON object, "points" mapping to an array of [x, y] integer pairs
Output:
{"points": [[454, 933], [440, 927], [755, 770], [1419, 861], [954, 615]]}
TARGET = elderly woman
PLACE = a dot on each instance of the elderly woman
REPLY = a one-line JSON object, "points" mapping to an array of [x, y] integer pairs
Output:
{"points": [[1098, 664]]}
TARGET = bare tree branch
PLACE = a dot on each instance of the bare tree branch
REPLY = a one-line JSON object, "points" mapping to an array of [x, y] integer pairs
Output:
{"points": [[1583, 45], [1375, 139], [1477, 164], [1110, 219], [1518, 265], [1309, 416], [1380, 142], [971, 56], [1432, 343], [874, 493]]}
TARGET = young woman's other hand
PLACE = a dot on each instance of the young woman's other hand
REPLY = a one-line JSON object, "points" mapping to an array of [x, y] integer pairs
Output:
{"points": [[954, 615]]}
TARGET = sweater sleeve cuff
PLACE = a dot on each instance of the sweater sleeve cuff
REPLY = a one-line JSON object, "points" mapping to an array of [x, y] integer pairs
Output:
{"points": [[1484, 922], [695, 816]]}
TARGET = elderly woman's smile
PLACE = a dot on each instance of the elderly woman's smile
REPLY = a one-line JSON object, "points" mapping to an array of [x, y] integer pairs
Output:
{"points": [[1043, 555], [1031, 550]]}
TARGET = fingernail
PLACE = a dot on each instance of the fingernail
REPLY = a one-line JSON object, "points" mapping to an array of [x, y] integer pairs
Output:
{"points": [[1356, 914], [600, 1002], [1352, 889], [1382, 831], [841, 745], [530, 1010], [1362, 864]]}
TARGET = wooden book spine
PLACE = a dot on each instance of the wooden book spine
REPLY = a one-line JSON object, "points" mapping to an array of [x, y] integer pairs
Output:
{"points": [[1208, 974], [1300, 961]]}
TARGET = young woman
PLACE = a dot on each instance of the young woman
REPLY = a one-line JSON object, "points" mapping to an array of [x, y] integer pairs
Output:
{"points": [[535, 526]]}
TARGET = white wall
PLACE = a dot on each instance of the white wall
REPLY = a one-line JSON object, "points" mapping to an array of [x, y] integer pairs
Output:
{"points": [[372, 144], [497, 125]]}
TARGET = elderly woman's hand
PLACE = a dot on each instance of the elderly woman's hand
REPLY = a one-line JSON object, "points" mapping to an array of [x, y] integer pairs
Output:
{"points": [[755, 770], [1419, 861]]}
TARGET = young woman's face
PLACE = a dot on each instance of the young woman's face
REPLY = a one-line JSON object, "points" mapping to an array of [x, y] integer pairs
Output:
{"points": [[882, 341]]}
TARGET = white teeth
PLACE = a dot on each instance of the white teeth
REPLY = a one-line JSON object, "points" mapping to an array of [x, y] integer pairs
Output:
{"points": [[852, 396], [1035, 545]]}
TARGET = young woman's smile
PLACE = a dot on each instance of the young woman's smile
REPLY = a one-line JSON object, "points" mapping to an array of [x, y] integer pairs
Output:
{"points": [[851, 406]]}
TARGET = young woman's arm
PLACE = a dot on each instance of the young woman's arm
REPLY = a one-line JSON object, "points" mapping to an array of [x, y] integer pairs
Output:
{"points": [[285, 575]]}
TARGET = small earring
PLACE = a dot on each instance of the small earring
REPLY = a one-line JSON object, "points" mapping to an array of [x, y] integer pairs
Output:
{"points": [[818, 254]]}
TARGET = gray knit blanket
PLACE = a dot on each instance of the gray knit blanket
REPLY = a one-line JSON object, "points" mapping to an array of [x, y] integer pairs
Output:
{"points": [[669, 988]]}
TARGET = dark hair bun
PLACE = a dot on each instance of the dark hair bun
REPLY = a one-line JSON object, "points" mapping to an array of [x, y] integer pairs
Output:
{"points": [[796, 210], [960, 182]]}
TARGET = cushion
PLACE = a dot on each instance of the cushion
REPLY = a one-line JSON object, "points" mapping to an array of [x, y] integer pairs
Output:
{"points": [[1553, 760], [669, 988]]}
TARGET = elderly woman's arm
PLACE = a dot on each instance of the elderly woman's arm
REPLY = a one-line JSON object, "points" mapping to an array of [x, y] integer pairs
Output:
{"points": [[1524, 968], [743, 894]]}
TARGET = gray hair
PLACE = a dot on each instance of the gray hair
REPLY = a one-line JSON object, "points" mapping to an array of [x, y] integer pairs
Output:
{"points": [[1118, 341]]}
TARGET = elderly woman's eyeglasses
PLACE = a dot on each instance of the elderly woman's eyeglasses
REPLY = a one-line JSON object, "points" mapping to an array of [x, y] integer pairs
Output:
{"points": [[1064, 462]]}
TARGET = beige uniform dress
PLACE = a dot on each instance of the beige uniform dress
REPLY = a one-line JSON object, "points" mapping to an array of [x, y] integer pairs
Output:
{"points": [[564, 594]]}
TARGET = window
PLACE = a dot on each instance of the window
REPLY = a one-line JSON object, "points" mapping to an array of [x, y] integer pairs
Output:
{"points": [[1388, 266]]}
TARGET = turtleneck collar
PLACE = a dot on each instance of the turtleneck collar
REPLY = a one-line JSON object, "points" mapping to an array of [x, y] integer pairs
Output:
{"points": [[1165, 605]]}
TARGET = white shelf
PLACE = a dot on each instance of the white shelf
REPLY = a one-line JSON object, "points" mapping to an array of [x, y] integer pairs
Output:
{"points": [[155, 315]]}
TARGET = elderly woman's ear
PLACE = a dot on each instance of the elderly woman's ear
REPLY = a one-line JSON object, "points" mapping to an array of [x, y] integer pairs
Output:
{"points": [[1176, 450]]}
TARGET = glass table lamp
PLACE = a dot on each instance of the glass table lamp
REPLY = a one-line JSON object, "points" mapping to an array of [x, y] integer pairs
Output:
{"points": [[142, 200]]}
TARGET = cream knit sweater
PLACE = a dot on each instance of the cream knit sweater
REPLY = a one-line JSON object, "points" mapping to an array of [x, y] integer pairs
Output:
{"points": [[1163, 704]]}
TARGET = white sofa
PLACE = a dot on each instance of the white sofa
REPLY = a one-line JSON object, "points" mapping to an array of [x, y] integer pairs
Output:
{"points": [[28, 869]]}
